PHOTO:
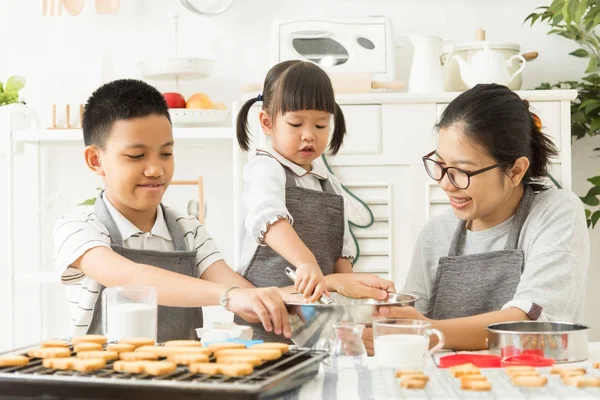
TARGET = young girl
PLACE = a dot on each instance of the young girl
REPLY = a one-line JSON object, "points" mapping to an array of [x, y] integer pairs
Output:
{"points": [[295, 210]]}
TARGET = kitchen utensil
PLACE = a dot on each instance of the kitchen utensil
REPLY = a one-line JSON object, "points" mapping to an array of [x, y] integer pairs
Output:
{"points": [[479, 360], [532, 55], [426, 74], [44, 7], [190, 117], [404, 343], [107, 6], [73, 7], [291, 273], [354, 82], [269, 380], [559, 341], [530, 360], [488, 66], [312, 322], [199, 206], [346, 349], [52, 4], [466, 50], [129, 312], [223, 331], [209, 12]]}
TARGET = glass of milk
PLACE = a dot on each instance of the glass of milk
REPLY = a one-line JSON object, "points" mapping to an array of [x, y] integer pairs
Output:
{"points": [[129, 312], [404, 343]]}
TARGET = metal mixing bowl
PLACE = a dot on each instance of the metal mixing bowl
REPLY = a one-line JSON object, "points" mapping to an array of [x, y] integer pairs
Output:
{"points": [[312, 322], [560, 341]]}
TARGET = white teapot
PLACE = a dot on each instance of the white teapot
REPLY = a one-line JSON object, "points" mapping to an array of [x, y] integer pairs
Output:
{"points": [[488, 66]]}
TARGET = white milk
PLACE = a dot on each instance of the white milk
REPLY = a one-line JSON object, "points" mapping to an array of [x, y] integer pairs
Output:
{"points": [[401, 351], [131, 320]]}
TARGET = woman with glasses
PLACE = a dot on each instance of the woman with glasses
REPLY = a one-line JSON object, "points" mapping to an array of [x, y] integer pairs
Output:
{"points": [[511, 248]]}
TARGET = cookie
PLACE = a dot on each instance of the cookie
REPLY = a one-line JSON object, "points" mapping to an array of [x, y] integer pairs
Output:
{"points": [[467, 378], [518, 368], [464, 369], [145, 367], [583, 381], [187, 359], [13, 361], [596, 365], [566, 374], [226, 345], [132, 367], [417, 377], [104, 355], [402, 372], [477, 386], [138, 356], [264, 354], [164, 351], [252, 360], [283, 347], [49, 352], [138, 342], [120, 347], [516, 374], [183, 343], [223, 369], [412, 384], [89, 338], [75, 364], [530, 381], [55, 343], [87, 346], [559, 370]]}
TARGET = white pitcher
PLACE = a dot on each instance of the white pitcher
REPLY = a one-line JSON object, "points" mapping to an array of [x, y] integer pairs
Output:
{"points": [[426, 74]]}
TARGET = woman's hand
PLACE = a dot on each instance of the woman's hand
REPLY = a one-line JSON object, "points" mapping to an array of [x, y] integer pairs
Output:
{"points": [[360, 285], [261, 305], [391, 313]]}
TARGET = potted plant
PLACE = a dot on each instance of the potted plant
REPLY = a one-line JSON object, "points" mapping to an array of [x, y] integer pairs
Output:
{"points": [[578, 20]]}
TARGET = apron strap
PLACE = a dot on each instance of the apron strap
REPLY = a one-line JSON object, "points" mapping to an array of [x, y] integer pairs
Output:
{"points": [[519, 220], [175, 229], [106, 219], [515, 229]]}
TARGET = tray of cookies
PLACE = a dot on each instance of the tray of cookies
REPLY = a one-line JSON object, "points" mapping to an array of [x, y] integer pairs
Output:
{"points": [[89, 367]]}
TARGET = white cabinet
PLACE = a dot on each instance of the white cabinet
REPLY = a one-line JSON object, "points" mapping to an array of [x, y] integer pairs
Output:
{"points": [[381, 162]]}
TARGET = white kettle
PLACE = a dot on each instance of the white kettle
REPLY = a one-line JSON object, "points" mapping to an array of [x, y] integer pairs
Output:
{"points": [[488, 66]]}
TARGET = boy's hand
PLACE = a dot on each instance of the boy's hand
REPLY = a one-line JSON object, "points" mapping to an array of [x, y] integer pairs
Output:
{"points": [[264, 303], [310, 281]]}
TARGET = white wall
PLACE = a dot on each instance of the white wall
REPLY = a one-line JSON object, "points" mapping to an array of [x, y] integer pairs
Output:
{"points": [[65, 58]]}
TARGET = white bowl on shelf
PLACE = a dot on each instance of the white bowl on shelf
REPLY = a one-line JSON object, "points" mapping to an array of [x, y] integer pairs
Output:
{"points": [[188, 117], [181, 68]]}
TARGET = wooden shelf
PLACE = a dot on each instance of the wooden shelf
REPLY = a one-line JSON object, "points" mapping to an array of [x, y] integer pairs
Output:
{"points": [[76, 135]]}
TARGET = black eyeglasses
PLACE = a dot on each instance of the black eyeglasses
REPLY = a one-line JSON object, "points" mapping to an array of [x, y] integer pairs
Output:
{"points": [[460, 178]]}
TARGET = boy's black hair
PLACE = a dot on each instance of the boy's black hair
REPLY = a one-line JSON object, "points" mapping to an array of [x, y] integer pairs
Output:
{"points": [[119, 100]]}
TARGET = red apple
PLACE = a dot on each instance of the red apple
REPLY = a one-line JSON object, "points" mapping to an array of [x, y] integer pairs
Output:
{"points": [[174, 100]]}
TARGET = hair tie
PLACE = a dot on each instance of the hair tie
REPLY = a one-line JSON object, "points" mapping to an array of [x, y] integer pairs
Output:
{"points": [[259, 97]]}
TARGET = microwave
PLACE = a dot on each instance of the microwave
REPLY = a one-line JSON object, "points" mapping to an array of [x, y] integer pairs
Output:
{"points": [[349, 45]]}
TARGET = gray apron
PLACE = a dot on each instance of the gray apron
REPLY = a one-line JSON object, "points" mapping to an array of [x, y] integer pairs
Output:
{"points": [[173, 322], [478, 283], [319, 222]]}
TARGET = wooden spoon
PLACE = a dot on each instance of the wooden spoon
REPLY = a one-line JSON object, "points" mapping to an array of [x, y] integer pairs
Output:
{"points": [[73, 7], [107, 6], [532, 55]]}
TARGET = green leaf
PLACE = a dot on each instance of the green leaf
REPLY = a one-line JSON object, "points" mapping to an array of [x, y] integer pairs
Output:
{"points": [[580, 11], [595, 180], [588, 213], [556, 6], [566, 10], [15, 83], [580, 53], [595, 124], [1, 87], [595, 218], [592, 65], [591, 108], [590, 200], [587, 102], [595, 191], [597, 149], [88, 202], [597, 19]]}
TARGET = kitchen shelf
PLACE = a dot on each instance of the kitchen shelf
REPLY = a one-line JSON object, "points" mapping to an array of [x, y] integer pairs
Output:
{"points": [[76, 135]]}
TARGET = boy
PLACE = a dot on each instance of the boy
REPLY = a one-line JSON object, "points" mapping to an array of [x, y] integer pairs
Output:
{"points": [[129, 238]]}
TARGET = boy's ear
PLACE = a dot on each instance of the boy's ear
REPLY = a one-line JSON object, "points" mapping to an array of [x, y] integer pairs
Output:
{"points": [[265, 122], [93, 159]]}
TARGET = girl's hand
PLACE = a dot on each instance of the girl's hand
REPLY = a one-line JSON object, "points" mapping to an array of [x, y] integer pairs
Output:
{"points": [[310, 281], [361, 286]]}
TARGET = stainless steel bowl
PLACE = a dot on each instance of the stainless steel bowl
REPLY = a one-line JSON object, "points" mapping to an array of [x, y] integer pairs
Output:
{"points": [[312, 322], [561, 341]]}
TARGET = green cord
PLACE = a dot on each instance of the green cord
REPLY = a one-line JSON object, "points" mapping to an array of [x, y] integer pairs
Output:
{"points": [[554, 181], [371, 217]]}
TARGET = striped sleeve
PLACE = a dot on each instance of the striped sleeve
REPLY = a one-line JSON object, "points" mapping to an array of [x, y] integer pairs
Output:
{"points": [[199, 240], [74, 234]]}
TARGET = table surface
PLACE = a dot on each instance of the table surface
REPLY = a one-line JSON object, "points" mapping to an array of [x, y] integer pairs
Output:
{"points": [[371, 384]]}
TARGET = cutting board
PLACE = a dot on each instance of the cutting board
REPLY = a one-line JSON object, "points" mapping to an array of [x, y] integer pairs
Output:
{"points": [[346, 83]]}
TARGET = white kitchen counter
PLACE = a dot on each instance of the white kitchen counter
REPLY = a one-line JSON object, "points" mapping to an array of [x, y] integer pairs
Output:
{"points": [[371, 385]]}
